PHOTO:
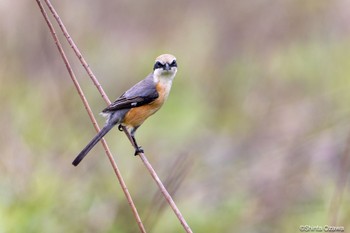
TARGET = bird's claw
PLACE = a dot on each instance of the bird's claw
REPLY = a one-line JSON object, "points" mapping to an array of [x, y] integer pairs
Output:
{"points": [[138, 150]]}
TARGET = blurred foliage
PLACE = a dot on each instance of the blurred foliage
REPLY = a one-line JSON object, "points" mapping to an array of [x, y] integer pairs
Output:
{"points": [[254, 136]]}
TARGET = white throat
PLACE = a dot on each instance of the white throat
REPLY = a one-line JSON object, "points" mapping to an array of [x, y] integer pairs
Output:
{"points": [[163, 77]]}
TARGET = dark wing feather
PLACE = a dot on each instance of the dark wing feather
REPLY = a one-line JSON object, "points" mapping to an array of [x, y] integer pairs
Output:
{"points": [[140, 94]]}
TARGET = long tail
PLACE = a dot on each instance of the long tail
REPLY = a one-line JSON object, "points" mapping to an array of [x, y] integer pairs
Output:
{"points": [[92, 143]]}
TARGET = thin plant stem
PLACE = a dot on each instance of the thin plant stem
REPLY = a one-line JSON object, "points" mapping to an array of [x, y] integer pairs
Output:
{"points": [[77, 52], [104, 96], [165, 193], [163, 190], [92, 118]]}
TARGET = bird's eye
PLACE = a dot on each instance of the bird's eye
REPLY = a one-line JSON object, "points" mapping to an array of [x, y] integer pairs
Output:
{"points": [[173, 64], [158, 65]]}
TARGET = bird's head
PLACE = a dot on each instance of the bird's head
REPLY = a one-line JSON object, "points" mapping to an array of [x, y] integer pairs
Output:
{"points": [[165, 66]]}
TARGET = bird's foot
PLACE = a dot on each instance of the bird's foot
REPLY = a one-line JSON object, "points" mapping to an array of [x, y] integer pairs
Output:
{"points": [[138, 150], [120, 127]]}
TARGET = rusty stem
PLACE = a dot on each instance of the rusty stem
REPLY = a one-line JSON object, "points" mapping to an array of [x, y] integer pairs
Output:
{"points": [[163, 190], [104, 96], [92, 118]]}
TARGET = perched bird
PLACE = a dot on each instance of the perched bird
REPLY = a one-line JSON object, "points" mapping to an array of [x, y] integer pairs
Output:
{"points": [[142, 100]]}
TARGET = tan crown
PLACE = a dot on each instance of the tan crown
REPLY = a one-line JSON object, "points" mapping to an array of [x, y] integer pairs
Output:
{"points": [[165, 58]]}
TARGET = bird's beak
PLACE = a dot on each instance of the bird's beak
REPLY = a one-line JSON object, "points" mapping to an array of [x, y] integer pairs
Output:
{"points": [[166, 67]]}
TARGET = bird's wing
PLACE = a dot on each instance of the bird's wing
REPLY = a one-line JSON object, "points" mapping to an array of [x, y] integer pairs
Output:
{"points": [[140, 94]]}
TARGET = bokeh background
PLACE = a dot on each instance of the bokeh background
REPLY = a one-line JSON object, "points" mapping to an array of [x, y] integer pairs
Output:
{"points": [[255, 136]]}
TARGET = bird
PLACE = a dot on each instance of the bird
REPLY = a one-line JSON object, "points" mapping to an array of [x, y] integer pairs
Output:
{"points": [[135, 105]]}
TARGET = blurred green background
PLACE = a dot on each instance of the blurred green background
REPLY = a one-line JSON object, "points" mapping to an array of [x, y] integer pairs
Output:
{"points": [[254, 137]]}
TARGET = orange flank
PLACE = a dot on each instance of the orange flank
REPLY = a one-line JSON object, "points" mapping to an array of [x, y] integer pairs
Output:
{"points": [[136, 116]]}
